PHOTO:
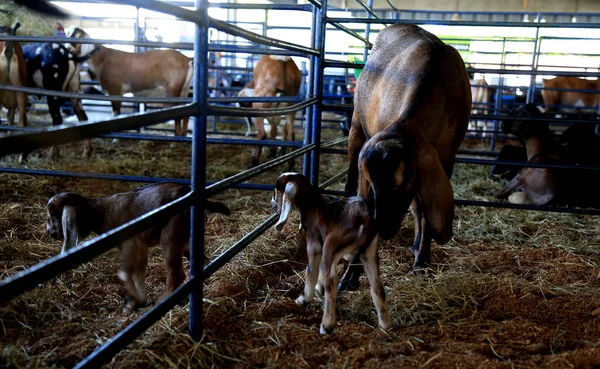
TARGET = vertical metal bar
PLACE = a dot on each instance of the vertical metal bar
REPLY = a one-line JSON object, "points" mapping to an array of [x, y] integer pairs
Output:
{"points": [[310, 111], [367, 31], [498, 104], [531, 90], [321, 24], [199, 168], [136, 33]]}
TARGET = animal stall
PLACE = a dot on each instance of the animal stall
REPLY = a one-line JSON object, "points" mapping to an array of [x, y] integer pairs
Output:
{"points": [[512, 287]]}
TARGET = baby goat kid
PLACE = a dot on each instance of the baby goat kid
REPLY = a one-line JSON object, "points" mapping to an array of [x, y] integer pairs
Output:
{"points": [[73, 217], [335, 228]]}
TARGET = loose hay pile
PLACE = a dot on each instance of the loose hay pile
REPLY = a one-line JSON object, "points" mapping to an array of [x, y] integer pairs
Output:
{"points": [[513, 288], [32, 23]]}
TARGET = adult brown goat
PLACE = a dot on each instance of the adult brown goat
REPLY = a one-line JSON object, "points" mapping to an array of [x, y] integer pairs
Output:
{"points": [[411, 111], [156, 73], [273, 76], [13, 71]]}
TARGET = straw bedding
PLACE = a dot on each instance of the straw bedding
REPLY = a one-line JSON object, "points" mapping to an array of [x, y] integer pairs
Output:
{"points": [[512, 289]]}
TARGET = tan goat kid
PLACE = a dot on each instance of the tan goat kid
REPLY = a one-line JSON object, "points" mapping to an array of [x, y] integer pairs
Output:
{"points": [[335, 228], [73, 217]]}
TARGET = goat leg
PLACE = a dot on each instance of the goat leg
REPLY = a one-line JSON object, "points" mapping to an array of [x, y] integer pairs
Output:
{"points": [[356, 140], [514, 183], [329, 262], [422, 246], [312, 274], [370, 260], [351, 278]]}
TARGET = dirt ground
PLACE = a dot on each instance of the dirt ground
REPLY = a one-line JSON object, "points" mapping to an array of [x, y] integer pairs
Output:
{"points": [[513, 289]]}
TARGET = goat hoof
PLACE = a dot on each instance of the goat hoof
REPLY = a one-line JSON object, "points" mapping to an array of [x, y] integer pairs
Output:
{"points": [[252, 164], [272, 152], [348, 285], [422, 272], [301, 301], [325, 330]]}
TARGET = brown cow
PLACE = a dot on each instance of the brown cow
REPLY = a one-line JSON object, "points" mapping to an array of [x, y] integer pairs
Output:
{"points": [[411, 111]]}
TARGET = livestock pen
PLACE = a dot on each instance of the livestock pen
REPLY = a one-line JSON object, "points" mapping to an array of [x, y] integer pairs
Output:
{"points": [[513, 289]]}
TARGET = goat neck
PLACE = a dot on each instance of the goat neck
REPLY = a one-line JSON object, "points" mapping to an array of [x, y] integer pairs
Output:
{"points": [[99, 217]]}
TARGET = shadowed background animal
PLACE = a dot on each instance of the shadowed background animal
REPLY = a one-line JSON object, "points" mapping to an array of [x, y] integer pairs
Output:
{"points": [[579, 145], [73, 217], [411, 111]]}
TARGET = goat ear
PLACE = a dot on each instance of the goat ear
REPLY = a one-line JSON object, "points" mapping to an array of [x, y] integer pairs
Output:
{"points": [[57, 203], [217, 207], [287, 204], [435, 194]]}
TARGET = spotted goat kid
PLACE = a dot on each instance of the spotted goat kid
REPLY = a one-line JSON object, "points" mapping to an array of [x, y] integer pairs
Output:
{"points": [[335, 228]]}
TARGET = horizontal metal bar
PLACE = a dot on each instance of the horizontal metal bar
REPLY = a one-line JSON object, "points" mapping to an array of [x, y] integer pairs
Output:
{"points": [[222, 259], [75, 95], [251, 112], [192, 16], [335, 142], [108, 350], [123, 178], [525, 119], [163, 7], [570, 90], [148, 100], [477, 152], [316, 3], [28, 279], [524, 164], [452, 12], [529, 72], [333, 179], [141, 137], [353, 34], [366, 7], [253, 172], [100, 176], [277, 99], [334, 151], [260, 39], [97, 41], [341, 64], [304, 7], [70, 132], [255, 50], [464, 23], [507, 205]]}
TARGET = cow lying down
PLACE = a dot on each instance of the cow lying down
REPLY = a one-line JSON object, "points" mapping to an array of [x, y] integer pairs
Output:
{"points": [[73, 217]]}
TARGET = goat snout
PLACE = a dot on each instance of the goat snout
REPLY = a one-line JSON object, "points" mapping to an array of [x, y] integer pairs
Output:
{"points": [[274, 206], [53, 234]]}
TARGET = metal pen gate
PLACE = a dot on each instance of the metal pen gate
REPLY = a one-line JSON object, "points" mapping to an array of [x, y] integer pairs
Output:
{"points": [[201, 107]]}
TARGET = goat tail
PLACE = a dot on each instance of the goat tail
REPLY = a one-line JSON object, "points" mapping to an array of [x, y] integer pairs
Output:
{"points": [[13, 31], [81, 59]]}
